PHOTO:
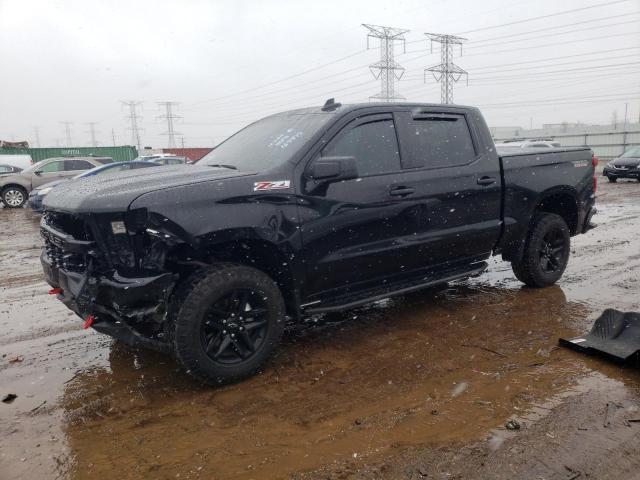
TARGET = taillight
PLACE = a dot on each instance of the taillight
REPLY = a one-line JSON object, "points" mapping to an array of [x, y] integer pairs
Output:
{"points": [[594, 164]]}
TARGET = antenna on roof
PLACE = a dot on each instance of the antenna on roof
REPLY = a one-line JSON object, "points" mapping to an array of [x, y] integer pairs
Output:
{"points": [[330, 105]]}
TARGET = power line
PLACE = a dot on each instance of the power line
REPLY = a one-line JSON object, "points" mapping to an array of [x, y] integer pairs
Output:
{"points": [[134, 118], [169, 116], [282, 79], [578, 30], [388, 70], [447, 72], [555, 27], [92, 132], [67, 131], [531, 19]]}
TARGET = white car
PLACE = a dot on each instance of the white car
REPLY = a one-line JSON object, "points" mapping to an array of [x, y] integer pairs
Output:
{"points": [[528, 144]]}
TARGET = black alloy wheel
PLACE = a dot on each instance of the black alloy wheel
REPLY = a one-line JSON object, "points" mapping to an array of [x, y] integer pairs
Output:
{"points": [[225, 322], [235, 326], [552, 250], [546, 251]]}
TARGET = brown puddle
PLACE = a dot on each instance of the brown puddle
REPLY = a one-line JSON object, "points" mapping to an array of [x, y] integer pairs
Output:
{"points": [[419, 371]]}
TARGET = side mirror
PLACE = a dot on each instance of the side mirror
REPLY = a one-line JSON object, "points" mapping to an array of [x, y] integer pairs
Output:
{"points": [[38, 172], [333, 169]]}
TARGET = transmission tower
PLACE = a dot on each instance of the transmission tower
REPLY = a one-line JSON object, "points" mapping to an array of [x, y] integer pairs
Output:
{"points": [[387, 70], [447, 72], [134, 118], [169, 116], [92, 132], [36, 132], [67, 132]]}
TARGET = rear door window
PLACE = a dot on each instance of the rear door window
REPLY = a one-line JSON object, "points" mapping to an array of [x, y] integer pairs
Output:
{"points": [[72, 165], [373, 144], [434, 140]]}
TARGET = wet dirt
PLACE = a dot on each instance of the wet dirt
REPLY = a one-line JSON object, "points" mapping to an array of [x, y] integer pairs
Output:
{"points": [[418, 386]]}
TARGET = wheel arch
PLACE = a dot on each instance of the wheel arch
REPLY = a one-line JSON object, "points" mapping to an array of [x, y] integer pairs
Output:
{"points": [[562, 201], [258, 253]]}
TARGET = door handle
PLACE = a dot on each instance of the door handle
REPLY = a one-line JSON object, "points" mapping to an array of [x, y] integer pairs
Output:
{"points": [[400, 191], [486, 181]]}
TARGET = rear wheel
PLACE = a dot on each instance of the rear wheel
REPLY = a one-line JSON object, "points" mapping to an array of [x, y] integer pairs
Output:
{"points": [[14, 196], [229, 321], [546, 251]]}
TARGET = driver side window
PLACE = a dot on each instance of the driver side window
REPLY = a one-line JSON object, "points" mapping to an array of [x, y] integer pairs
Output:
{"points": [[52, 167], [374, 146]]}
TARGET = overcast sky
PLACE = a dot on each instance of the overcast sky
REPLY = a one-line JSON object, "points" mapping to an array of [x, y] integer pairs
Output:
{"points": [[228, 62]]}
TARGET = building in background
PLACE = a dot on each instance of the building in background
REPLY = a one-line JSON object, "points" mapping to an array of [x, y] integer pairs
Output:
{"points": [[607, 141]]}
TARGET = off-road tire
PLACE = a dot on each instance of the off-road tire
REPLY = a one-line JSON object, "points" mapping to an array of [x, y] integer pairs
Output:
{"points": [[190, 304], [6, 191], [529, 268]]}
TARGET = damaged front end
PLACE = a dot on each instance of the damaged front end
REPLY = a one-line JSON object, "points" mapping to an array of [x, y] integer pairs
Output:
{"points": [[113, 268]]}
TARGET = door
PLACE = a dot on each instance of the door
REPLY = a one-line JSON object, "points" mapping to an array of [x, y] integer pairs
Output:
{"points": [[76, 167], [53, 170], [457, 188], [350, 228]]}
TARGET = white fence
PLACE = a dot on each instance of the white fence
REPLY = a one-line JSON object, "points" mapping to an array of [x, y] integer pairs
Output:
{"points": [[607, 142]]}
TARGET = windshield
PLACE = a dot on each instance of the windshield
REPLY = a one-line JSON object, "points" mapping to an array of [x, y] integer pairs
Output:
{"points": [[267, 143], [632, 153]]}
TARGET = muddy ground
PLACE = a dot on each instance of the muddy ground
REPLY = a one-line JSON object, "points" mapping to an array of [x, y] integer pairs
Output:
{"points": [[415, 387]]}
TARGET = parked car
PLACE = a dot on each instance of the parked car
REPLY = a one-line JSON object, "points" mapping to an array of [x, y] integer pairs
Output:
{"points": [[528, 144], [163, 158], [9, 169], [15, 188], [169, 160], [36, 196], [308, 211], [626, 165]]}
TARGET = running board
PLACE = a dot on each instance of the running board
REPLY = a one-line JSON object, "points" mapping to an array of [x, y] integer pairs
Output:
{"points": [[375, 295]]}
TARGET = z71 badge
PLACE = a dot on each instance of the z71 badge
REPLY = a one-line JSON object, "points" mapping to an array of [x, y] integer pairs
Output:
{"points": [[277, 185]]}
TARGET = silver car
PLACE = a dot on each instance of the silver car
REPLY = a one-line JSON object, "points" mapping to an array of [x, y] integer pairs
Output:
{"points": [[15, 188]]}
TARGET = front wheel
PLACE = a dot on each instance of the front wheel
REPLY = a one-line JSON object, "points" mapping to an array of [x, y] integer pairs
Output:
{"points": [[546, 251], [612, 179], [14, 197], [229, 320]]}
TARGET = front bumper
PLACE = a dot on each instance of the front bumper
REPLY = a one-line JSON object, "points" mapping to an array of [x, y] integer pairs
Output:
{"points": [[128, 308], [620, 173]]}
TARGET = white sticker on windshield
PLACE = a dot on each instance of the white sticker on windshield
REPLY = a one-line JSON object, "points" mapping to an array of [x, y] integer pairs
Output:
{"points": [[277, 185], [285, 139]]}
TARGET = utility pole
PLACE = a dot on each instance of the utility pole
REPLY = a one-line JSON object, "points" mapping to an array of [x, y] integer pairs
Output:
{"points": [[36, 132], [447, 72], [626, 109], [92, 132], [387, 70], [169, 116], [67, 131], [113, 136], [134, 118]]}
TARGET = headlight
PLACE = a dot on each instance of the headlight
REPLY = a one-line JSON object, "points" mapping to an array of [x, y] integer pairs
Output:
{"points": [[44, 191]]}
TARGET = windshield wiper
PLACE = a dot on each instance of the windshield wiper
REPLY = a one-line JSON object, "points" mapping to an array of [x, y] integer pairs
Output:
{"points": [[232, 167]]}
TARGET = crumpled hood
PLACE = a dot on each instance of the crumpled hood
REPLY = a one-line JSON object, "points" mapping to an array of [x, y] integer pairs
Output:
{"points": [[115, 192]]}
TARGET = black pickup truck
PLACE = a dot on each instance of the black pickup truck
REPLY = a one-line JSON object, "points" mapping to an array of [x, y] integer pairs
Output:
{"points": [[306, 211]]}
